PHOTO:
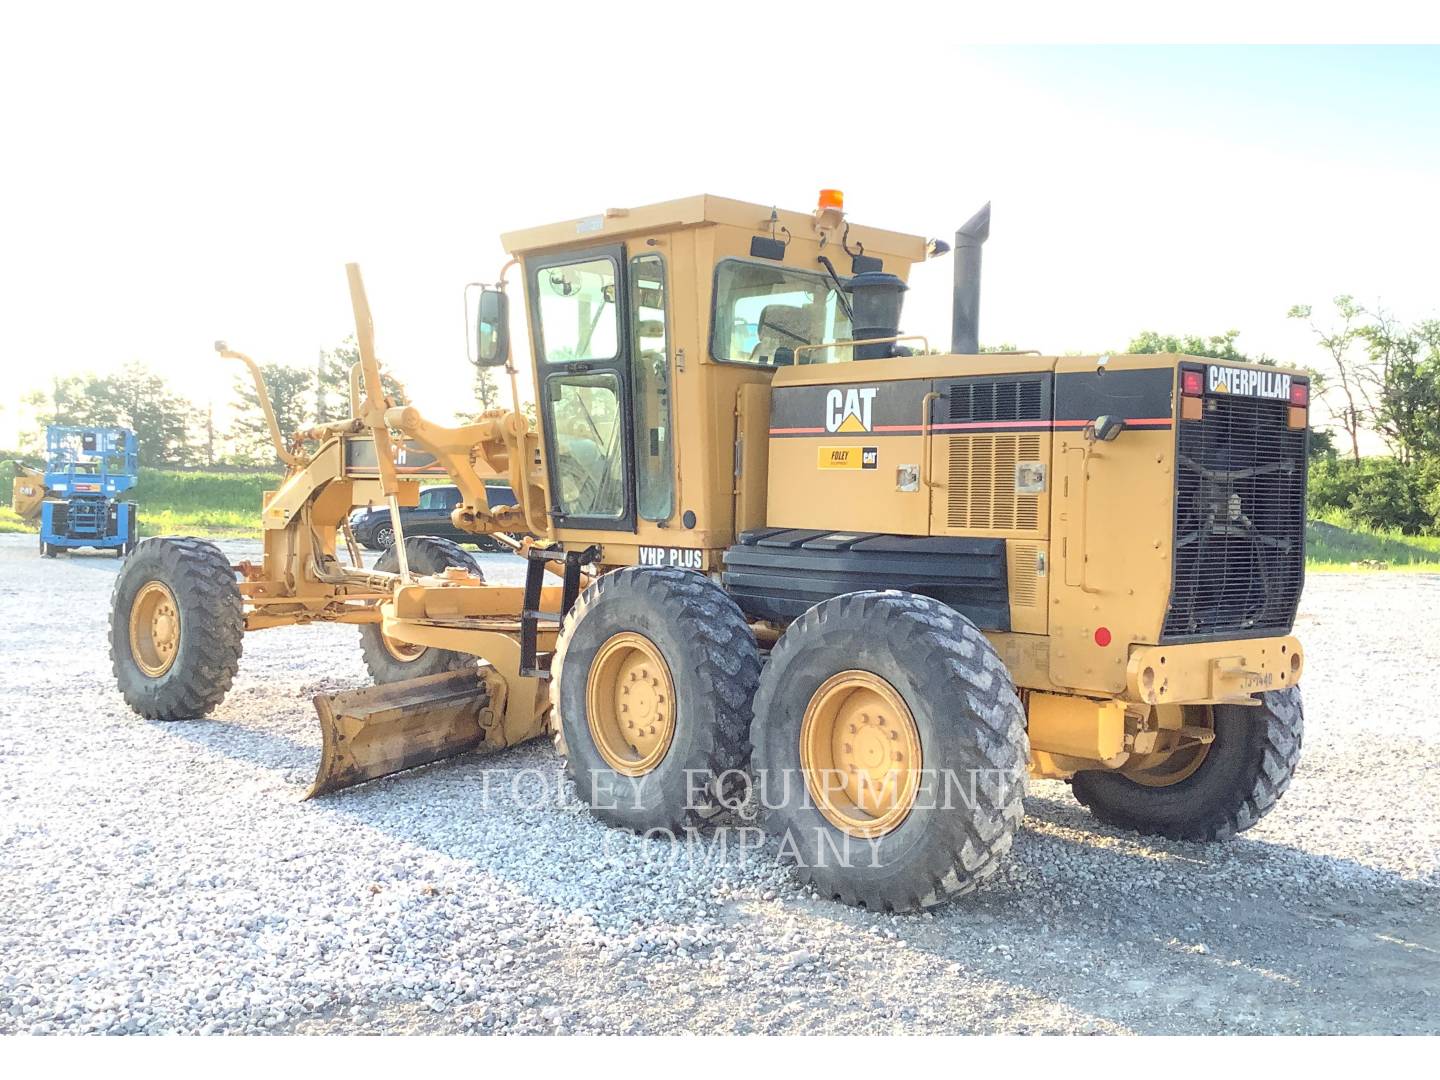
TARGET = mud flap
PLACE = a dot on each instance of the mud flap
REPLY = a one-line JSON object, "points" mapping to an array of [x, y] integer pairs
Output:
{"points": [[387, 729]]}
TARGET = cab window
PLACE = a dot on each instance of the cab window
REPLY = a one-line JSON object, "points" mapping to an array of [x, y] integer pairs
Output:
{"points": [[650, 380], [760, 307], [589, 466], [576, 304]]}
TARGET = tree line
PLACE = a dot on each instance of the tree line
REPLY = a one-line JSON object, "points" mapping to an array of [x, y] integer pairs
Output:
{"points": [[1381, 376], [173, 432]]}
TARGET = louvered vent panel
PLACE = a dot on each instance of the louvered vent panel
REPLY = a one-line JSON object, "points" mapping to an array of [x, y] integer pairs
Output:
{"points": [[958, 508], [996, 399], [1024, 582], [982, 482]]}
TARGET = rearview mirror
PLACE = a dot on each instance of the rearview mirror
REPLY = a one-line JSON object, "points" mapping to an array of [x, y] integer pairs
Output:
{"points": [[489, 344], [1106, 428]]}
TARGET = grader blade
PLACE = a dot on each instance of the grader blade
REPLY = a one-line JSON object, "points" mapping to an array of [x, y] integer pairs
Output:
{"points": [[387, 729]]}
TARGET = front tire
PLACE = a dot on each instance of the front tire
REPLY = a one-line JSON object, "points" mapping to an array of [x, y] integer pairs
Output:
{"points": [[652, 684], [177, 625], [890, 750], [390, 661], [1244, 773]]}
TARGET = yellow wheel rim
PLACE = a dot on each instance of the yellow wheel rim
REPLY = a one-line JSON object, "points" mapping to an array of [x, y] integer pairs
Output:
{"points": [[860, 753], [154, 629], [630, 704], [1171, 766]]}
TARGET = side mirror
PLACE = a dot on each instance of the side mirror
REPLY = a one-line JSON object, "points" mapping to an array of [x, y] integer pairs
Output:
{"points": [[1107, 427], [489, 343]]}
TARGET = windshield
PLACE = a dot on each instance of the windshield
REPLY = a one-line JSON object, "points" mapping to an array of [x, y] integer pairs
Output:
{"points": [[761, 307]]}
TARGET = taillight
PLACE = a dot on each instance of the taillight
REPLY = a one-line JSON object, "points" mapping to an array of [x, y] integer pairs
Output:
{"points": [[1300, 394], [1192, 383]]}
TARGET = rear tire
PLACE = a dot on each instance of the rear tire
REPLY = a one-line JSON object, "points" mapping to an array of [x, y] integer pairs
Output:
{"points": [[950, 691], [382, 539], [393, 661], [1245, 771], [705, 668], [175, 658]]}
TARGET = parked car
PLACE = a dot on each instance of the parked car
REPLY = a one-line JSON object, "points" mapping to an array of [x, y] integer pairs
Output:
{"points": [[431, 517]]}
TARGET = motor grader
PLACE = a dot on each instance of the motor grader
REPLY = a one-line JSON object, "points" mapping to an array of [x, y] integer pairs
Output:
{"points": [[773, 543]]}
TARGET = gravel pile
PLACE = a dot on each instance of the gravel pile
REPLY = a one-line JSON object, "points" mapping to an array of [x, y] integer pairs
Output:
{"points": [[166, 877]]}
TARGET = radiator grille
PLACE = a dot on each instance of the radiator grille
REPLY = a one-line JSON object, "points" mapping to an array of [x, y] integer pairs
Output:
{"points": [[981, 488], [996, 399], [1239, 521]]}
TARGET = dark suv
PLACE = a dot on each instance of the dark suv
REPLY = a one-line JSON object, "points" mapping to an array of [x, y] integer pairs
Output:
{"points": [[430, 518]]}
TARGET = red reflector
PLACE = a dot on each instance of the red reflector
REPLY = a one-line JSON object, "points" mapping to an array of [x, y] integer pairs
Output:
{"points": [[1102, 637], [1192, 383], [1299, 393]]}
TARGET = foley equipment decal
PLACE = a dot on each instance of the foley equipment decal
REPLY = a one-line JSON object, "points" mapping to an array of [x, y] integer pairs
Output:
{"points": [[848, 457]]}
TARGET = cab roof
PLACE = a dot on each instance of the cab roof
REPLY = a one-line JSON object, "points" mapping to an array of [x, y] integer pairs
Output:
{"points": [[694, 212]]}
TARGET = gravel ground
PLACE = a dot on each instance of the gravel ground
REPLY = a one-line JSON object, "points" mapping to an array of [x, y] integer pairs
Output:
{"points": [[166, 877]]}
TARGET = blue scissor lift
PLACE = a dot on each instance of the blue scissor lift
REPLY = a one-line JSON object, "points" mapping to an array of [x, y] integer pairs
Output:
{"points": [[86, 471]]}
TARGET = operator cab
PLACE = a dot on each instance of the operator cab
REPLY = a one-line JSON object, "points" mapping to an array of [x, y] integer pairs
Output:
{"points": [[643, 317]]}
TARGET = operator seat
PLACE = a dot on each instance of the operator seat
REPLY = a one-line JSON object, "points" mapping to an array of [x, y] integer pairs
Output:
{"points": [[780, 325]]}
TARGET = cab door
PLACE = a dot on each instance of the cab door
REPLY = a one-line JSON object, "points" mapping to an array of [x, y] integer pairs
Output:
{"points": [[580, 309]]}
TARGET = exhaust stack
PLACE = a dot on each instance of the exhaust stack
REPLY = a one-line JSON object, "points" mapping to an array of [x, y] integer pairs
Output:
{"points": [[965, 315]]}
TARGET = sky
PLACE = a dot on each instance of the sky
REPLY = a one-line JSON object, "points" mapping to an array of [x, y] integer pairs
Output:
{"points": [[174, 175]]}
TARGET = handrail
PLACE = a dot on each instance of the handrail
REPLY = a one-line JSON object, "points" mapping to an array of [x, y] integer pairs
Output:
{"points": [[926, 438], [864, 341]]}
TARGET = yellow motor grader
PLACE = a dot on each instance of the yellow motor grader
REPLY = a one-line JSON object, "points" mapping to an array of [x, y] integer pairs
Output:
{"points": [[789, 546]]}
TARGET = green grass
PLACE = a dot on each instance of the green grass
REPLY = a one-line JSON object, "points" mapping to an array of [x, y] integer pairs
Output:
{"points": [[1335, 543], [187, 504], [201, 504], [10, 522]]}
